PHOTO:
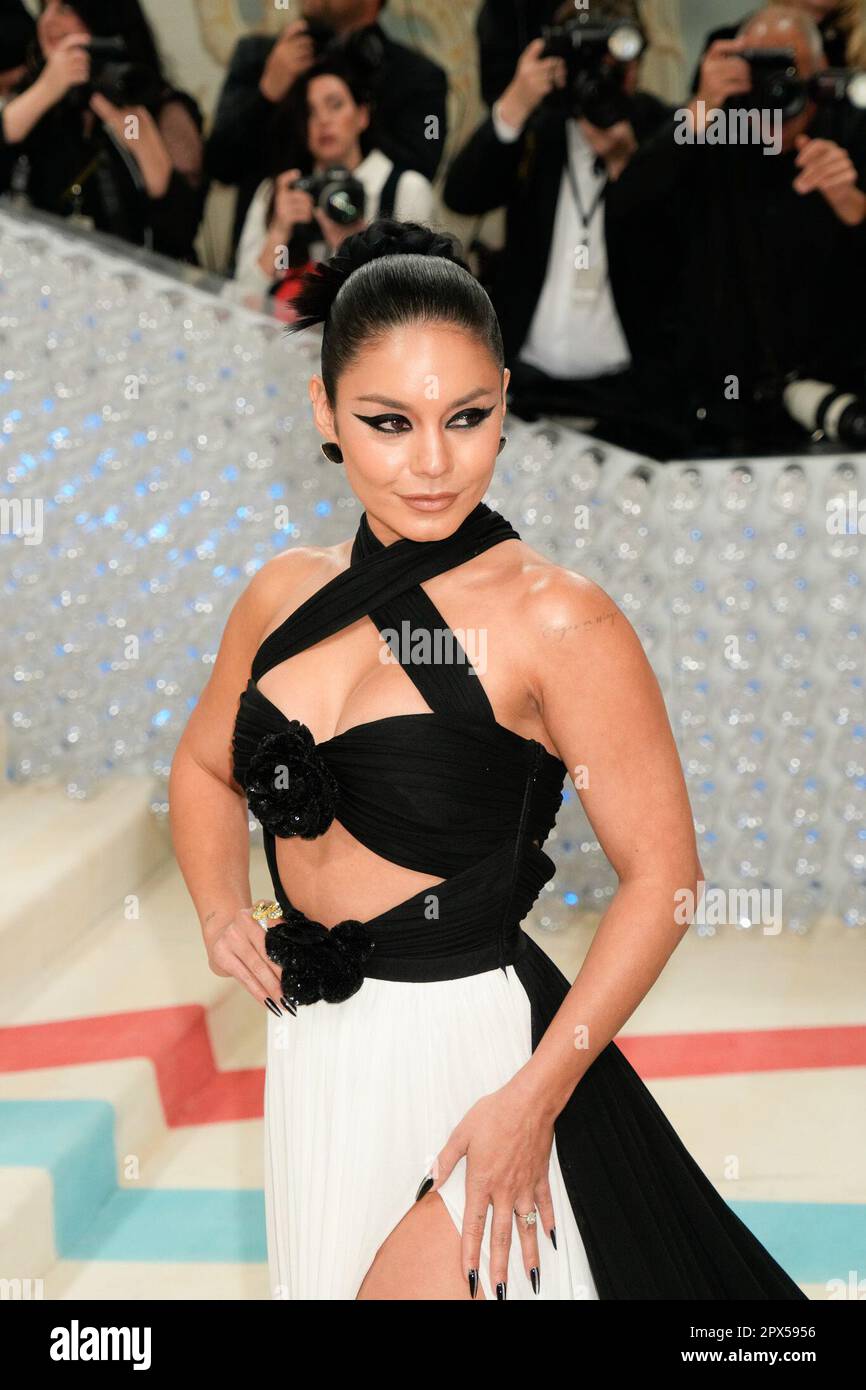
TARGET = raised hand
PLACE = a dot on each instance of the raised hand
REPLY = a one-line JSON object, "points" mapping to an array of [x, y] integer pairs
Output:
{"points": [[291, 55]]}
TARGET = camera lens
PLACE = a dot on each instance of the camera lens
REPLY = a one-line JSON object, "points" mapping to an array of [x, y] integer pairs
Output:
{"points": [[856, 91], [625, 43]]}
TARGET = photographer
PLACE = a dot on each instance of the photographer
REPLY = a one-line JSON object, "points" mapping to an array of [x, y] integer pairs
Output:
{"points": [[580, 291], [772, 237], [408, 93], [324, 118], [132, 168]]}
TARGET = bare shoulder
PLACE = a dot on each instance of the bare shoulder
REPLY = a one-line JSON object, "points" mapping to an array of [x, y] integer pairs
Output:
{"points": [[284, 582], [557, 603], [567, 620]]}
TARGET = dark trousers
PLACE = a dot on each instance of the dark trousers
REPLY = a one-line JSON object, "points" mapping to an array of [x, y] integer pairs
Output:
{"points": [[635, 409]]}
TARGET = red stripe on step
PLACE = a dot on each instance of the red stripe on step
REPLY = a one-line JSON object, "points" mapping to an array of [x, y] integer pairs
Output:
{"points": [[176, 1040], [768, 1049]]}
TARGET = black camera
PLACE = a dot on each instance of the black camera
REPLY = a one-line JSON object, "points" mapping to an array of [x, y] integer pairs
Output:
{"points": [[337, 192], [778, 86], [120, 81], [596, 56]]}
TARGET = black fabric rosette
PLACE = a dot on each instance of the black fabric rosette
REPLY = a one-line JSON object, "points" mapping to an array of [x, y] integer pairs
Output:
{"points": [[289, 786], [318, 962]]}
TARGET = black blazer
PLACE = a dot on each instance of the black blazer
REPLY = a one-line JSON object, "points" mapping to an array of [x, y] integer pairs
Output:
{"points": [[524, 176], [410, 89]]}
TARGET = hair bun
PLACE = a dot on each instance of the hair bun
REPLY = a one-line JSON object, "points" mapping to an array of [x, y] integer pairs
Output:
{"points": [[384, 237]]}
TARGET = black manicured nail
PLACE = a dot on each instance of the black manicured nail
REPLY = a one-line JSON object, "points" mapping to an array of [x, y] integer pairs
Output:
{"points": [[500, 1291], [273, 1008], [553, 1236], [426, 1184], [473, 1282], [286, 1005], [535, 1276]]}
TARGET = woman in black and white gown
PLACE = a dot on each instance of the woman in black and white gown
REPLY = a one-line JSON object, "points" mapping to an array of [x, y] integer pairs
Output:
{"points": [[445, 1117]]}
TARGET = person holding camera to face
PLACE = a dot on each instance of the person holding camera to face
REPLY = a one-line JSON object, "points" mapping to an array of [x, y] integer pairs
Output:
{"points": [[303, 214], [842, 25], [770, 219], [578, 290], [96, 132], [408, 96]]}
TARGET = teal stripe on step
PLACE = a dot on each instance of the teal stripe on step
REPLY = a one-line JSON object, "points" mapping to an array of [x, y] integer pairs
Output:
{"points": [[215, 1225], [95, 1219], [812, 1241]]}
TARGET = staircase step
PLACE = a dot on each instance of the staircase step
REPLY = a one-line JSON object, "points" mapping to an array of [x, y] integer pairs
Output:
{"points": [[89, 1170], [127, 972], [122, 1279], [64, 865], [93, 1216], [27, 1247]]}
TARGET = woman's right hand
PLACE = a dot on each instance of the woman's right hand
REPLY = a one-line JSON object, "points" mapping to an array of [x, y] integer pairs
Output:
{"points": [[238, 950], [68, 65], [292, 206]]}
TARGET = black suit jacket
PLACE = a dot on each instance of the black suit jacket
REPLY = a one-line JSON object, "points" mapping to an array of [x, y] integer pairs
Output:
{"points": [[525, 177], [766, 282], [410, 89]]}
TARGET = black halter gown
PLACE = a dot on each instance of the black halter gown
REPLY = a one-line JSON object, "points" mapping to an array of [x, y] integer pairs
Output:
{"points": [[453, 793]]}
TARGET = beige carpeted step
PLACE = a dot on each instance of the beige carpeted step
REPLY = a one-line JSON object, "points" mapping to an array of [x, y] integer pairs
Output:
{"points": [[63, 865]]}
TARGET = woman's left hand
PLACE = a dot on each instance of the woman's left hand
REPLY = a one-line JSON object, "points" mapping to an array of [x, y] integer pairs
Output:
{"points": [[507, 1142], [137, 128]]}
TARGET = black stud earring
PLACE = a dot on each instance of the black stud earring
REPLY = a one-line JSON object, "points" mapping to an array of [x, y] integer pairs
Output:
{"points": [[333, 453], [503, 440]]}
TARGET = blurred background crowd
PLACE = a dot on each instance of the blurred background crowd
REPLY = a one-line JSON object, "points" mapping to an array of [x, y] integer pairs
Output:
{"points": [[668, 212]]}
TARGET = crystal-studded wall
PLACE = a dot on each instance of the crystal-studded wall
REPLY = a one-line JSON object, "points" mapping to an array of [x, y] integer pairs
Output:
{"points": [[157, 447]]}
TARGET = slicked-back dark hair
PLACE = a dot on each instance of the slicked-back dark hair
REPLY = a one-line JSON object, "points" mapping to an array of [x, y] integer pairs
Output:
{"points": [[388, 275]]}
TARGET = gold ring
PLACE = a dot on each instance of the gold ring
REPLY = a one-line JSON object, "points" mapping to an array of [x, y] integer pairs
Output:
{"points": [[529, 1218], [265, 911]]}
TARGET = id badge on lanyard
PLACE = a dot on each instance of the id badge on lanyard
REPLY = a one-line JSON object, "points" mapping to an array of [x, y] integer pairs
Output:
{"points": [[588, 271]]}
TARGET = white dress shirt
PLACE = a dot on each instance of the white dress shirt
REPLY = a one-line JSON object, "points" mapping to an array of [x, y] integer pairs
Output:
{"points": [[574, 336]]}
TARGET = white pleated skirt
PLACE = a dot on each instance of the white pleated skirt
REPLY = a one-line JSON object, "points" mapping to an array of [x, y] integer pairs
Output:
{"points": [[359, 1099]]}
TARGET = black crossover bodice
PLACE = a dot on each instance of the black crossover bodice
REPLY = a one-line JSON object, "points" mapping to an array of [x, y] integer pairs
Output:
{"points": [[450, 792]]}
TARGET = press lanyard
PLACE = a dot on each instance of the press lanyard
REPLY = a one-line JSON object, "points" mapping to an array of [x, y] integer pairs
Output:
{"points": [[585, 217]]}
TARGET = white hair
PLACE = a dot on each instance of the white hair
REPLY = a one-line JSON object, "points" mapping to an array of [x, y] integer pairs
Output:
{"points": [[807, 27]]}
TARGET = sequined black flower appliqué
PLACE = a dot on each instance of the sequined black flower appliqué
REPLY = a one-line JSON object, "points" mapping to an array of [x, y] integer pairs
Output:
{"points": [[289, 786], [318, 962]]}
